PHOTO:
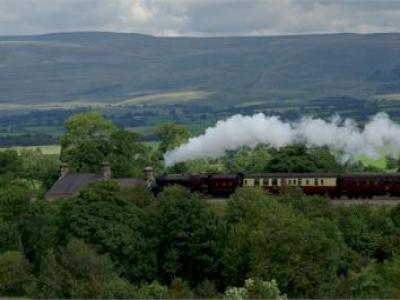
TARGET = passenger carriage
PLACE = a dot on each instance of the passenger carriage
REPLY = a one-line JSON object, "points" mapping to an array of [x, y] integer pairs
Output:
{"points": [[309, 183]]}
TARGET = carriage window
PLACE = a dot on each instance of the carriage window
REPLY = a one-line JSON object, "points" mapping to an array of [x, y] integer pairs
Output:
{"points": [[315, 181], [294, 181], [257, 182], [274, 181], [307, 182], [322, 182], [299, 182]]}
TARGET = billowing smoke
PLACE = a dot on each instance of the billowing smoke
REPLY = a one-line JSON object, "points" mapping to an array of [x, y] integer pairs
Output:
{"points": [[343, 137]]}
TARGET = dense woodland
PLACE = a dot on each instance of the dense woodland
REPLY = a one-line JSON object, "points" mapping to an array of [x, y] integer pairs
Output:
{"points": [[110, 242]]}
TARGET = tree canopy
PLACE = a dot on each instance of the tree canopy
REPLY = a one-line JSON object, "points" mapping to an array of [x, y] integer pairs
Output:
{"points": [[171, 136], [90, 139]]}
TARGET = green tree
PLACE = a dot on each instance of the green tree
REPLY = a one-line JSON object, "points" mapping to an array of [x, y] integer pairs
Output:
{"points": [[14, 201], [50, 277], [247, 160], [15, 274], [10, 163], [324, 161], [77, 271], [89, 139], [389, 245], [86, 141], [141, 196], [318, 250], [313, 207], [179, 289], [39, 230], [395, 215], [172, 136], [206, 290], [38, 167], [10, 238], [255, 289], [268, 240], [363, 228], [103, 215], [121, 288], [128, 156], [245, 204], [203, 166], [297, 158], [391, 163], [243, 209], [86, 274], [366, 283], [153, 290], [186, 231], [391, 278]]}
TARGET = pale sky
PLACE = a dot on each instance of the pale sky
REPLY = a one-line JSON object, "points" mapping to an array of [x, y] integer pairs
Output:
{"points": [[199, 17]]}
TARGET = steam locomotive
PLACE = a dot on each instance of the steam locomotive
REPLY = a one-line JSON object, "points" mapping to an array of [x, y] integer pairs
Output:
{"points": [[332, 185]]}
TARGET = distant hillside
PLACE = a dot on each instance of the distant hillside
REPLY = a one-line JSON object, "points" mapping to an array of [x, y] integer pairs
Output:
{"points": [[132, 68]]}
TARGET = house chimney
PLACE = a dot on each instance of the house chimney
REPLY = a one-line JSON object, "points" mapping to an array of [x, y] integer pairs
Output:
{"points": [[64, 169], [149, 176], [105, 170]]}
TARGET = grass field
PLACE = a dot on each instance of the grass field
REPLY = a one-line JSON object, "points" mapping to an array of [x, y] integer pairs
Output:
{"points": [[56, 149], [393, 97], [379, 162], [178, 96], [166, 98], [46, 149]]}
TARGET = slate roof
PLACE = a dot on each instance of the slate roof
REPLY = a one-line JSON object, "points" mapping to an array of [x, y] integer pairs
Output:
{"points": [[129, 182], [71, 184]]}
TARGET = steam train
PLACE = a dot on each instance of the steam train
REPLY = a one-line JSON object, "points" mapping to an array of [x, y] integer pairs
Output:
{"points": [[332, 185]]}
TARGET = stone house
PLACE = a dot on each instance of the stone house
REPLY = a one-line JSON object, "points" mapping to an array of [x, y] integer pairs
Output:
{"points": [[69, 184]]}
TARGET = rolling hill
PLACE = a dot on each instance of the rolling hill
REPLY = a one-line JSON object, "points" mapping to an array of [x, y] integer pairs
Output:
{"points": [[109, 68]]}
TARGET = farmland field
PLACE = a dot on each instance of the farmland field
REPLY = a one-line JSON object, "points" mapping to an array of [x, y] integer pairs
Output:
{"points": [[45, 149], [379, 163], [56, 149]]}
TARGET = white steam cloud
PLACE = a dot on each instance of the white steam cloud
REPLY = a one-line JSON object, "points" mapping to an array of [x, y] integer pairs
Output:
{"points": [[343, 137]]}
